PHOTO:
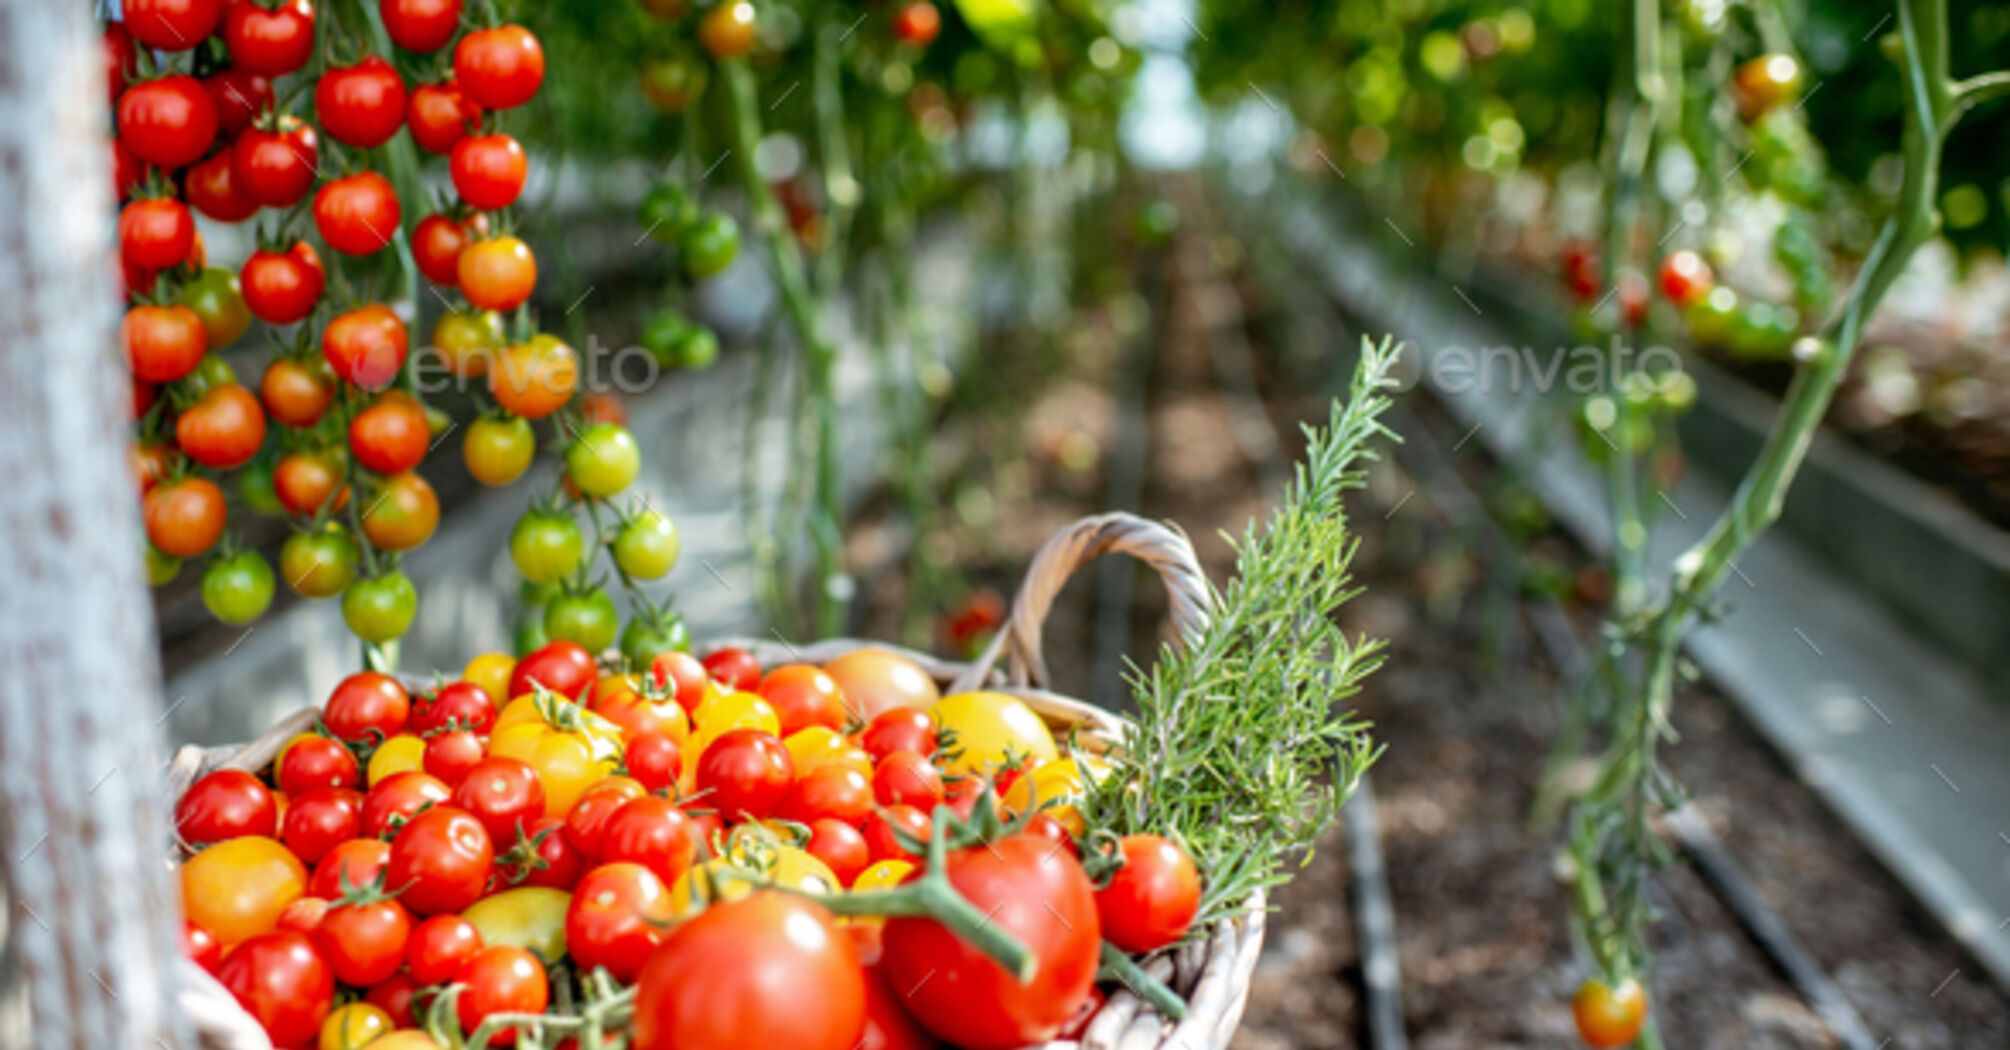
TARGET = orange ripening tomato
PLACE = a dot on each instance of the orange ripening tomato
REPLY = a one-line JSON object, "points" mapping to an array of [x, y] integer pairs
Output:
{"points": [[875, 680], [497, 274], [803, 695], [535, 378], [1607, 1016]]}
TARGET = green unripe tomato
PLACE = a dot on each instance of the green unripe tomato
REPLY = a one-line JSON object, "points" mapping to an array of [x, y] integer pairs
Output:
{"points": [[546, 547], [587, 617], [162, 568], [604, 460], [647, 546], [643, 640], [663, 333], [698, 348], [254, 484], [380, 609], [710, 244], [210, 372], [319, 564], [667, 212], [237, 589], [217, 298]]}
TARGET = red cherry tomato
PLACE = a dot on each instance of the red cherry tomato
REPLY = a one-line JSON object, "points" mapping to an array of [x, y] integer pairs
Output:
{"points": [[184, 517], [803, 696], [122, 58], [488, 171], [746, 774], [1040, 896], [654, 760], [224, 429], [172, 25], [398, 798], [733, 668], [156, 233], [275, 166], [906, 778], [1150, 902], [780, 960], [366, 346], [163, 343], [563, 667], [282, 287], [169, 122], [586, 822], [499, 68], [319, 820], [451, 754], [441, 859], [1048, 826], [437, 243], [653, 832], [841, 847], [357, 214], [618, 914], [391, 435], [500, 980], [682, 671], [315, 762], [420, 25], [274, 40], [880, 828], [1685, 277], [456, 705], [358, 862], [504, 794], [212, 190], [283, 983], [899, 729], [239, 95], [364, 942], [361, 105], [226, 804], [834, 791], [552, 861], [394, 996], [917, 23], [439, 947], [201, 946], [367, 708], [441, 115]]}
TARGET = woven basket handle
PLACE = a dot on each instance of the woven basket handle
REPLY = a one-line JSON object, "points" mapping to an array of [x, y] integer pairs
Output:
{"points": [[1160, 546]]}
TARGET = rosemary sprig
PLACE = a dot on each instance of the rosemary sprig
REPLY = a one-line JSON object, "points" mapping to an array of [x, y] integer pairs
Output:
{"points": [[1238, 747]]}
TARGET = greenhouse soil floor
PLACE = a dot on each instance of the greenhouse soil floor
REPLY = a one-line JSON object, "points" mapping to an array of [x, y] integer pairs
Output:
{"points": [[1480, 910]]}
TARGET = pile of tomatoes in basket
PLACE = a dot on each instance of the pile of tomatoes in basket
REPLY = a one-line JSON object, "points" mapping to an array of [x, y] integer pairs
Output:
{"points": [[688, 857], [295, 118]]}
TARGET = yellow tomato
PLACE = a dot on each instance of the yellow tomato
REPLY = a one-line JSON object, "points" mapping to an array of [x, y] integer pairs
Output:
{"points": [[818, 746], [409, 1039], [400, 754], [566, 763], [720, 713], [1061, 779], [237, 889], [990, 728], [354, 1026], [785, 866], [528, 917], [567, 715], [491, 671], [881, 875]]}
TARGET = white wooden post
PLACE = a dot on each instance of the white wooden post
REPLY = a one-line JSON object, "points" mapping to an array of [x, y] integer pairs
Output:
{"points": [[83, 824]]}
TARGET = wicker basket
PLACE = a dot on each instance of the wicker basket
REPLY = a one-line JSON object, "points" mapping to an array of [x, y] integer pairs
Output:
{"points": [[1212, 973]]}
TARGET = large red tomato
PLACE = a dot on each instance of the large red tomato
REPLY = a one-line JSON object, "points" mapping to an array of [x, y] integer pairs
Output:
{"points": [[169, 122], [361, 105], [275, 166], [281, 287], [769, 969], [501, 67], [441, 860], [1037, 894], [357, 214], [617, 916], [281, 981]]}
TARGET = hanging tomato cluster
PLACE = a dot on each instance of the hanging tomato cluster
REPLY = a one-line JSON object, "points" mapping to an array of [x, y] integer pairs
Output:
{"points": [[274, 112], [703, 856]]}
